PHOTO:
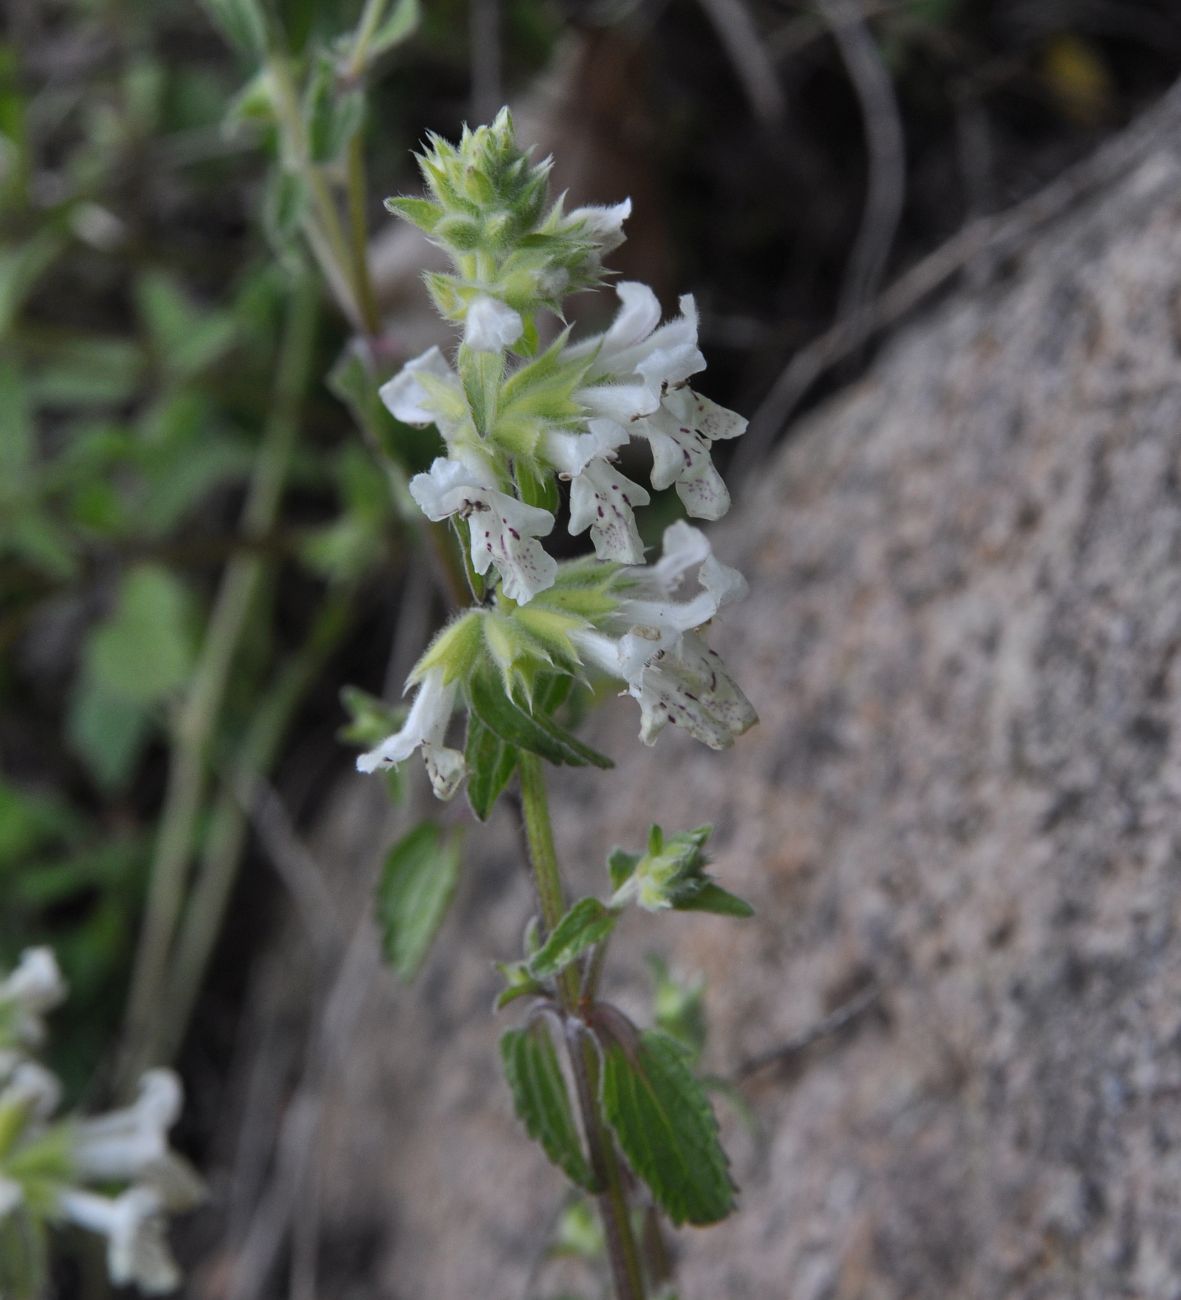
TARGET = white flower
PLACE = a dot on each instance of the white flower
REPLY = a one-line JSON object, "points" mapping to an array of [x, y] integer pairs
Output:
{"points": [[668, 668], [427, 391], [603, 225], [637, 359], [656, 620], [601, 498], [133, 1223], [689, 686], [33, 988], [11, 1195], [503, 529], [682, 433], [491, 325], [425, 728]]}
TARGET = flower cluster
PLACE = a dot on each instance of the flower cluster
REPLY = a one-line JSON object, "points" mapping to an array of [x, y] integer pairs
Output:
{"points": [[518, 420], [50, 1166]]}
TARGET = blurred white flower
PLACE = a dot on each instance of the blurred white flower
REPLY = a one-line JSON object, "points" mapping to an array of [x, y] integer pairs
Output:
{"points": [[425, 728], [134, 1226]]}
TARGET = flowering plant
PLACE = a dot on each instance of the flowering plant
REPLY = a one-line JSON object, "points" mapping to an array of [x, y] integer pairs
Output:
{"points": [[50, 1167], [519, 420]]}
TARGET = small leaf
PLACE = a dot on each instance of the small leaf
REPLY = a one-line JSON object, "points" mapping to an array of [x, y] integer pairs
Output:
{"points": [[107, 731], [581, 928], [399, 26], [490, 765], [145, 649], [519, 983], [516, 727], [419, 212], [370, 720], [713, 898], [416, 886], [621, 866], [542, 1101], [666, 1128], [332, 117], [242, 24]]}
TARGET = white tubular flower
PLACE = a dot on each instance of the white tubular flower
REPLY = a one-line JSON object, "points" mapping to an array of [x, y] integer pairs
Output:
{"points": [[603, 225], [689, 686], [601, 498], [131, 1145], [425, 391], [11, 1195], [491, 325], [639, 359], [503, 529], [33, 988], [425, 729], [681, 434], [655, 619], [133, 1224], [668, 668]]}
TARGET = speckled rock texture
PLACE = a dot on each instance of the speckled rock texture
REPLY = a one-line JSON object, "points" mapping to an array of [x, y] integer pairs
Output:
{"points": [[962, 636]]}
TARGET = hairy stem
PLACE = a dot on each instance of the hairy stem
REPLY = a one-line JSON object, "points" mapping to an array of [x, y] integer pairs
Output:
{"points": [[202, 705], [626, 1270], [359, 236]]}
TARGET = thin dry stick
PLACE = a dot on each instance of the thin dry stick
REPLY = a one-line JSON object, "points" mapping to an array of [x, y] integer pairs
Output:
{"points": [[995, 236], [742, 42], [886, 149], [833, 1023]]}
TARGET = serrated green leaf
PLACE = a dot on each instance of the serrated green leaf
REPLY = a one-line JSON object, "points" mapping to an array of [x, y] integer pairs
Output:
{"points": [[417, 883], [713, 898], [538, 735], [666, 1129], [542, 1101], [490, 765], [581, 928]]}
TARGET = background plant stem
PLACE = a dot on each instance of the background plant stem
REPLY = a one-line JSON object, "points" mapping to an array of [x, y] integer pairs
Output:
{"points": [[626, 1269], [199, 711]]}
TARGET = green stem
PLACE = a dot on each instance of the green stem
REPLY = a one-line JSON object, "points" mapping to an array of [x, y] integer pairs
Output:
{"points": [[322, 225], [201, 708], [359, 236], [221, 854], [626, 1269], [371, 16]]}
